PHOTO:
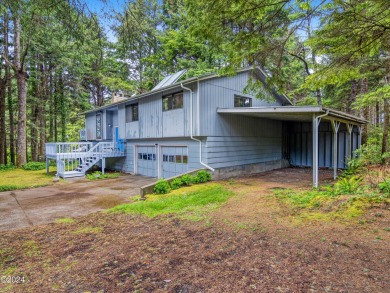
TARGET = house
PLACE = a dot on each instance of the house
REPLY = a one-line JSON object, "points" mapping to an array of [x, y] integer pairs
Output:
{"points": [[209, 122]]}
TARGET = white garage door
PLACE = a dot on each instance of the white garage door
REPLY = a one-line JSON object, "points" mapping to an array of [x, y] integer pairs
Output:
{"points": [[146, 161], [174, 160]]}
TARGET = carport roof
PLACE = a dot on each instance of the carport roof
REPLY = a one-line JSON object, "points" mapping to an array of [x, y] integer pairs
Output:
{"points": [[294, 113]]}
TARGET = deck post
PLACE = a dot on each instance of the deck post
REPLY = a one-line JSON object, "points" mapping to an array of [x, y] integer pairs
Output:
{"points": [[47, 165], [103, 165], [335, 127], [360, 136], [315, 151], [349, 141]]}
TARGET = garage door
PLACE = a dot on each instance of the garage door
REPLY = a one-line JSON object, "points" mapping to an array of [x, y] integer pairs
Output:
{"points": [[174, 160], [146, 161]]}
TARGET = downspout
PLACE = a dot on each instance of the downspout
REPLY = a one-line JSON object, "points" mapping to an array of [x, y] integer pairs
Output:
{"points": [[191, 134]]}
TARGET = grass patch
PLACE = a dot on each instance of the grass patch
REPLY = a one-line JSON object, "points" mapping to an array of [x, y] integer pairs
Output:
{"points": [[324, 205], [190, 202], [88, 230], [65, 221], [22, 179], [31, 248]]}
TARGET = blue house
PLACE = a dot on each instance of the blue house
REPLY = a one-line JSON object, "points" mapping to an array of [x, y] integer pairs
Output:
{"points": [[209, 122]]}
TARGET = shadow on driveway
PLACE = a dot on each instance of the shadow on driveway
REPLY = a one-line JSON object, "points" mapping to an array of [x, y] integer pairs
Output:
{"points": [[70, 198]]}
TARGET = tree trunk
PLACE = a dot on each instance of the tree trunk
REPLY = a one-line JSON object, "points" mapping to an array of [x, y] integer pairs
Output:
{"points": [[352, 96], [366, 111], [63, 110], [34, 131], [377, 113], [21, 78], [42, 112], [3, 134], [3, 87], [51, 110], [385, 140]]}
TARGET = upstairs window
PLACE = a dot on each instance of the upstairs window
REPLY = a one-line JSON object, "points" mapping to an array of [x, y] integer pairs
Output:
{"points": [[172, 102], [242, 102], [131, 113]]}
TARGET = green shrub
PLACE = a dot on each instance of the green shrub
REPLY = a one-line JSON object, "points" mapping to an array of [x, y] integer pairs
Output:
{"points": [[347, 185], [6, 167], [176, 183], [385, 186], [353, 167], [186, 179], [162, 187], [202, 176], [99, 175], [370, 153], [34, 166]]}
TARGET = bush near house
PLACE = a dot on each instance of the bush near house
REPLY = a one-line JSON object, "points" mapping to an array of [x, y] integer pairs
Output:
{"points": [[176, 183], [186, 179], [163, 186]]}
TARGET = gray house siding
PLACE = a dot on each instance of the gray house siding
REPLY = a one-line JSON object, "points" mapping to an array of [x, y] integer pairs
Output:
{"points": [[155, 123], [300, 144], [219, 93], [246, 140]]}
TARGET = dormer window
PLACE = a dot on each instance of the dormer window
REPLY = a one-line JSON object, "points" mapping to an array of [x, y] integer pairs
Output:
{"points": [[240, 101], [172, 102]]}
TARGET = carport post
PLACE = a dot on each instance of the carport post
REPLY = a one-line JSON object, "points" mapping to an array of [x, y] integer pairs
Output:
{"points": [[335, 127], [103, 165], [360, 136], [349, 141], [316, 122]]}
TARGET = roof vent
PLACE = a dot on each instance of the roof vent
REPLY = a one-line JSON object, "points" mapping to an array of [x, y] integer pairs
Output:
{"points": [[170, 79]]}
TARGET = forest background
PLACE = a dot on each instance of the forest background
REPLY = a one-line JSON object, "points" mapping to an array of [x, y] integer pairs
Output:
{"points": [[60, 58]]}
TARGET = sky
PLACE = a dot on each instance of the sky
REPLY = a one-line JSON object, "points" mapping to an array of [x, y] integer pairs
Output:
{"points": [[105, 9]]}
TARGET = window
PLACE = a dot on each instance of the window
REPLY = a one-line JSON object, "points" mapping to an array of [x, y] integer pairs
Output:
{"points": [[146, 157], [131, 113], [175, 159], [99, 126], [172, 102], [242, 101]]}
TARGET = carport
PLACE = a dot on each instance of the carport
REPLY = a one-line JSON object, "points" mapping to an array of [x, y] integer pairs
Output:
{"points": [[313, 114]]}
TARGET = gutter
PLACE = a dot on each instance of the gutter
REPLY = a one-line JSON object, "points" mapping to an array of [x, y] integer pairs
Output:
{"points": [[191, 134]]}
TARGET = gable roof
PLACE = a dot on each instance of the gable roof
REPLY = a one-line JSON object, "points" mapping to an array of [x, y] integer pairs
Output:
{"points": [[258, 73]]}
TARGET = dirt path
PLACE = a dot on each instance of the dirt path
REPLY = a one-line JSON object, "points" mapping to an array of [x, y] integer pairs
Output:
{"points": [[248, 245], [72, 198]]}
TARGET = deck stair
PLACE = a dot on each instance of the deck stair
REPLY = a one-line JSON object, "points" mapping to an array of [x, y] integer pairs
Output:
{"points": [[75, 159]]}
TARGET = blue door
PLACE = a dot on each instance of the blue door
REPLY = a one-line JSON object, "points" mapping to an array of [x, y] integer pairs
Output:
{"points": [[118, 143]]}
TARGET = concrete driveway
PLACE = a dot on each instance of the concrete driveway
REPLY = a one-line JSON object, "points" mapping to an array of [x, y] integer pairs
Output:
{"points": [[70, 198]]}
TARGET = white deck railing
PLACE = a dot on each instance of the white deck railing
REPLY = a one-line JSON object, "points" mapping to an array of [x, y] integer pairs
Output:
{"points": [[67, 147], [71, 155]]}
